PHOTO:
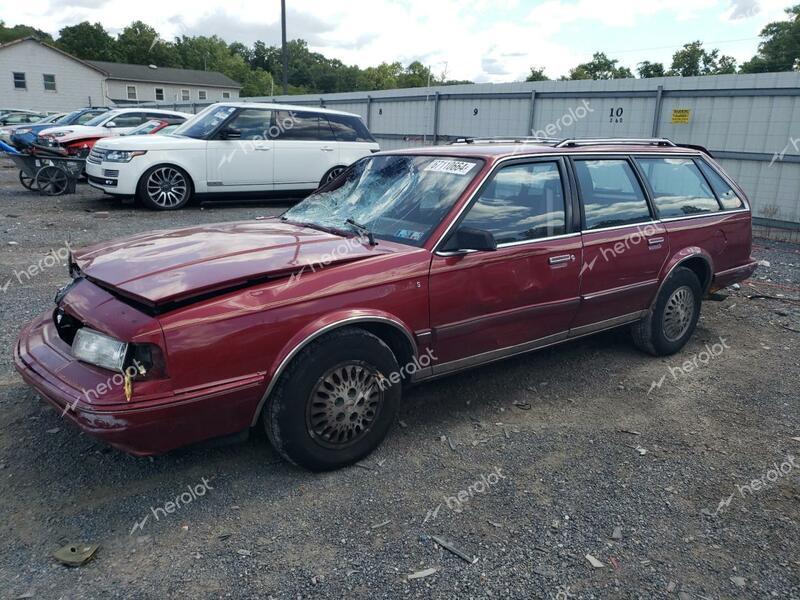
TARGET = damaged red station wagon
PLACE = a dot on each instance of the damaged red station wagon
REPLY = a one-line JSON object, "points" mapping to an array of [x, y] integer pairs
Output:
{"points": [[411, 265]]}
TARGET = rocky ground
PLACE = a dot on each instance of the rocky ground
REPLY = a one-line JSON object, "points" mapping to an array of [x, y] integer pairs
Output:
{"points": [[587, 470]]}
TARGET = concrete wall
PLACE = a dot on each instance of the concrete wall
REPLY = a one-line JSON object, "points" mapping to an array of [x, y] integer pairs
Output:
{"points": [[76, 84], [117, 91]]}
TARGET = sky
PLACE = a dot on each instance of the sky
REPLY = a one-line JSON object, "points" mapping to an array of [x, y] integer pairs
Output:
{"points": [[479, 40]]}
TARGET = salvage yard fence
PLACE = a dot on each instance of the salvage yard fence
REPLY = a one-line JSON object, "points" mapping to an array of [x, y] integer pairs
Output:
{"points": [[750, 123]]}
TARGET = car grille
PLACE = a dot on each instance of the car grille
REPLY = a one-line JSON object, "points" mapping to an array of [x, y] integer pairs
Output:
{"points": [[96, 156]]}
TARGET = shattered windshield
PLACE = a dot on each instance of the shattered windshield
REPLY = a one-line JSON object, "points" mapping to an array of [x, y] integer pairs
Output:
{"points": [[401, 198]]}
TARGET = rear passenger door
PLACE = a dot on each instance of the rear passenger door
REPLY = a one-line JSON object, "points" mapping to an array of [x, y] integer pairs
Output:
{"points": [[305, 149], [491, 304], [624, 247]]}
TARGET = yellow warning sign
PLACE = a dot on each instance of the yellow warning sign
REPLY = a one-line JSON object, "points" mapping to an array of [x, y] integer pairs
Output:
{"points": [[681, 116]]}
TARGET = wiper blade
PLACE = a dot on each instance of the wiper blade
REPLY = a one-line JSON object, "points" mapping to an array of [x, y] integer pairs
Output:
{"points": [[316, 226], [362, 229]]}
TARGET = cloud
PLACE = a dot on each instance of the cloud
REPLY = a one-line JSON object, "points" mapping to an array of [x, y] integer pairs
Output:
{"points": [[743, 9]]}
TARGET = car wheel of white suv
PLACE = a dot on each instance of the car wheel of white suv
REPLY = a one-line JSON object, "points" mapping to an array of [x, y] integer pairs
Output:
{"points": [[164, 187], [331, 175]]}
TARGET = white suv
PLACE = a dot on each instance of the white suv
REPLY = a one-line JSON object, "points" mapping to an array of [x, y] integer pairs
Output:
{"points": [[231, 147]]}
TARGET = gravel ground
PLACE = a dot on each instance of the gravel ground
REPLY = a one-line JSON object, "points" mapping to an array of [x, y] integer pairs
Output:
{"points": [[590, 448]]}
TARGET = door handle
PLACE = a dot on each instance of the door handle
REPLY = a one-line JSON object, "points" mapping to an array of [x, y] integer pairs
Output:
{"points": [[564, 258], [263, 148], [326, 149], [655, 241]]}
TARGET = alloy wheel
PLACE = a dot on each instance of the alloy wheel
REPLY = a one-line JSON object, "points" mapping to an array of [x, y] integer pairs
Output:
{"points": [[344, 404], [167, 187], [678, 313], [333, 174]]}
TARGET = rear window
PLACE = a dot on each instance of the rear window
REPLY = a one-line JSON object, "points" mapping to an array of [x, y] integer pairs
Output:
{"points": [[349, 129], [679, 188], [301, 125], [728, 197], [611, 193]]}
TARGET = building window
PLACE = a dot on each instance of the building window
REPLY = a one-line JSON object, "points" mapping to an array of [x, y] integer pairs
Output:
{"points": [[201, 94], [132, 92], [226, 95], [19, 81], [49, 82], [186, 95], [159, 93]]}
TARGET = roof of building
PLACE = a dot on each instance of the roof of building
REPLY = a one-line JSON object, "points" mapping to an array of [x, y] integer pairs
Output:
{"points": [[130, 72], [167, 75]]}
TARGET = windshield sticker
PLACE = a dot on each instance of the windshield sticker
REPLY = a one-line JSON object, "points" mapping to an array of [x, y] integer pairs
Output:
{"points": [[454, 167], [408, 234]]}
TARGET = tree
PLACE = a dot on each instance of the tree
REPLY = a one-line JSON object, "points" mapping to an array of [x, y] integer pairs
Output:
{"points": [[647, 69], [416, 75], [140, 44], [537, 74], [9, 34], [693, 60], [780, 49], [600, 67], [87, 41]]}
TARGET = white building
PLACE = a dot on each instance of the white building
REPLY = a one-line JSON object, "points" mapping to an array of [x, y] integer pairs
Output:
{"points": [[37, 76]]}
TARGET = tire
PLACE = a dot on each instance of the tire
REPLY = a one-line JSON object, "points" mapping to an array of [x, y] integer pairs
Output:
{"points": [[164, 187], [674, 317], [28, 182], [331, 174], [305, 420], [51, 181]]}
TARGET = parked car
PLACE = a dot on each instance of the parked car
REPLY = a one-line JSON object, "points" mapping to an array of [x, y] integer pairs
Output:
{"points": [[112, 123], [232, 147], [21, 118], [24, 137], [411, 265], [80, 146], [9, 130]]}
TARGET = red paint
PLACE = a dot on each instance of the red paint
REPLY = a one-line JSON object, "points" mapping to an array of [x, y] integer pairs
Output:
{"points": [[223, 350]]}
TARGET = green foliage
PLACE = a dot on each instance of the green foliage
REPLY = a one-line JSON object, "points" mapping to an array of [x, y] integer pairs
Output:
{"points": [[9, 34], [87, 41], [780, 50], [647, 69], [600, 67], [537, 74], [693, 60]]}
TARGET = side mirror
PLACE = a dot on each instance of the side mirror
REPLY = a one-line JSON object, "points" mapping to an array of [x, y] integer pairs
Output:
{"points": [[471, 238], [230, 133]]}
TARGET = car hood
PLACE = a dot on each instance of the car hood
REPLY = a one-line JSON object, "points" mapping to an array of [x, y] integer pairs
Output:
{"points": [[173, 266], [76, 131], [150, 142]]}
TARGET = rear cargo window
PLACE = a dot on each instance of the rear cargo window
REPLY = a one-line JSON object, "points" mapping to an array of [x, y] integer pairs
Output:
{"points": [[679, 189], [611, 193], [727, 196]]}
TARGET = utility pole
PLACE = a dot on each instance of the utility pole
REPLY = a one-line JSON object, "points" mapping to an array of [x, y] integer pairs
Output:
{"points": [[284, 50]]}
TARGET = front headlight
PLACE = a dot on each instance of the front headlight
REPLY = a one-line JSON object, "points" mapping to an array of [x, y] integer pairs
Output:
{"points": [[122, 155], [22, 131], [98, 349], [59, 133]]}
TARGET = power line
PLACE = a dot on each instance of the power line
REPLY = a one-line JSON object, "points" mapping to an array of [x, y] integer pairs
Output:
{"points": [[677, 47]]}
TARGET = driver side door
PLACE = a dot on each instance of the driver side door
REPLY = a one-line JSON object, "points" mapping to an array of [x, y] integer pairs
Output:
{"points": [[486, 305]]}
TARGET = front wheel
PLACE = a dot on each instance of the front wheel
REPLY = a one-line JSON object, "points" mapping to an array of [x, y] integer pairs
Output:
{"points": [[334, 403], [674, 317], [164, 187]]}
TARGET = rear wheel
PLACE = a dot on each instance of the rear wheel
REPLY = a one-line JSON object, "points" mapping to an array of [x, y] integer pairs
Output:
{"points": [[331, 175], [28, 182], [51, 181], [164, 187], [334, 403], [674, 317]]}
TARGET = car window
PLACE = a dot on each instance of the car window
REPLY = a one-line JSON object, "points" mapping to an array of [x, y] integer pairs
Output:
{"points": [[349, 129], [300, 125], [204, 123], [611, 193], [521, 202], [99, 119], [253, 123], [678, 187], [726, 194], [127, 120]]}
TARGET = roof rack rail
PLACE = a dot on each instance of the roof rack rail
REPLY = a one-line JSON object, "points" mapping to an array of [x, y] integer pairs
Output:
{"points": [[505, 139], [572, 142]]}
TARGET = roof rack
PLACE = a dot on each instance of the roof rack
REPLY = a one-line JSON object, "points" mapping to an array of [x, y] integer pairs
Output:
{"points": [[572, 142], [506, 139]]}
